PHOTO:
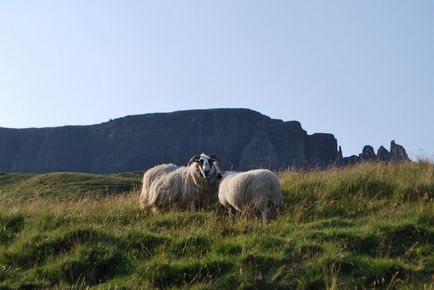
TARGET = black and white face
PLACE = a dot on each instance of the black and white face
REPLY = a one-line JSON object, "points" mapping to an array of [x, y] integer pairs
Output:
{"points": [[207, 165]]}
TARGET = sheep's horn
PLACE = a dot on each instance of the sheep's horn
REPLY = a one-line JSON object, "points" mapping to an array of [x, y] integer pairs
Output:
{"points": [[215, 157], [193, 159]]}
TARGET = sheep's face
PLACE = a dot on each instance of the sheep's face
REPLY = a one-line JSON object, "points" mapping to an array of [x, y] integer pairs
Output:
{"points": [[207, 165]]}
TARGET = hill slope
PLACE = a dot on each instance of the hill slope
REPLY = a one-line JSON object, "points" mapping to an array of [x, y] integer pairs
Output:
{"points": [[367, 226]]}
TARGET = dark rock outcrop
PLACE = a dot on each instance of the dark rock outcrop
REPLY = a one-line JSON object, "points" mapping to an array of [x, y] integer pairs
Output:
{"points": [[243, 138], [397, 154], [367, 154], [321, 149], [383, 154], [351, 160]]}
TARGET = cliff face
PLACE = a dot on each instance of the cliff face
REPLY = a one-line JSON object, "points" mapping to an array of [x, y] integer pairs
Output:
{"points": [[286, 144], [242, 138]]}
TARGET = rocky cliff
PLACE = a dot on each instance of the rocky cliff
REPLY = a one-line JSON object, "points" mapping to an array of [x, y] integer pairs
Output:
{"points": [[397, 153], [242, 138]]}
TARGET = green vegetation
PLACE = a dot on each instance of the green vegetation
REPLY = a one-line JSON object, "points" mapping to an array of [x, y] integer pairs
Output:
{"points": [[66, 185], [369, 226]]}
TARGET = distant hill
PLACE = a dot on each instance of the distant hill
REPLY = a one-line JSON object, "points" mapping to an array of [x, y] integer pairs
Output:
{"points": [[241, 137]]}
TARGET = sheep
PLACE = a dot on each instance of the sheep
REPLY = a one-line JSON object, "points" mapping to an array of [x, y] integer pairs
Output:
{"points": [[258, 188], [167, 185], [150, 177]]}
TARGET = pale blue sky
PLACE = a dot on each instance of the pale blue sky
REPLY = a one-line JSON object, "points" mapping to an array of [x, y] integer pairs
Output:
{"points": [[362, 70]]}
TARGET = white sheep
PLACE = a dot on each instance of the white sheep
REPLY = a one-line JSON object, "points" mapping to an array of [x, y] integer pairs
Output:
{"points": [[259, 188], [166, 185], [150, 177]]}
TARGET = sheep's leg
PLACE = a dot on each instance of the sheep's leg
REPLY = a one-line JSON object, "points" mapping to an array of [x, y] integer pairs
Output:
{"points": [[237, 214], [265, 216], [193, 206], [278, 209], [231, 213]]}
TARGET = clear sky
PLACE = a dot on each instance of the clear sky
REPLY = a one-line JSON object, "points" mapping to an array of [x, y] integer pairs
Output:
{"points": [[362, 70]]}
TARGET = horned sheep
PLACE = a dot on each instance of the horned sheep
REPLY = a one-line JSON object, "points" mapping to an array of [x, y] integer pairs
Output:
{"points": [[166, 186], [257, 188]]}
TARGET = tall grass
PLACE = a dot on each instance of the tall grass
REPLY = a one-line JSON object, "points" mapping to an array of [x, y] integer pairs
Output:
{"points": [[368, 226]]}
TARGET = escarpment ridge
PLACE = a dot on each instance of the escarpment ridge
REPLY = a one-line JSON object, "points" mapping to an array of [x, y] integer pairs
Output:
{"points": [[242, 138]]}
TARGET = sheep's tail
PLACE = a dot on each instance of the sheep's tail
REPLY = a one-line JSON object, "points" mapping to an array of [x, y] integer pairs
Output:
{"points": [[144, 202], [144, 194]]}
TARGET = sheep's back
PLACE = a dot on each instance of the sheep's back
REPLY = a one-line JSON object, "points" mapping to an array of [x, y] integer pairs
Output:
{"points": [[180, 186], [266, 183], [257, 186], [155, 172]]}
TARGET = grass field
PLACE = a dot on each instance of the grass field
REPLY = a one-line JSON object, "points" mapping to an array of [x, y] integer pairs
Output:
{"points": [[370, 226]]}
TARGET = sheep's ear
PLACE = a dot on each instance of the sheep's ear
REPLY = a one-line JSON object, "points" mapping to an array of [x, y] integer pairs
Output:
{"points": [[195, 158], [215, 158]]}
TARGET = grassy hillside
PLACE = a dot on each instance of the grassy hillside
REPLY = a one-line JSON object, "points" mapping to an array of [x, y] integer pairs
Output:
{"points": [[371, 226], [66, 185]]}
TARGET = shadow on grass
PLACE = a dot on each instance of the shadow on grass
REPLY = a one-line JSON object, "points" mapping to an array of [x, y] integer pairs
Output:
{"points": [[164, 275], [10, 226], [37, 249]]}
